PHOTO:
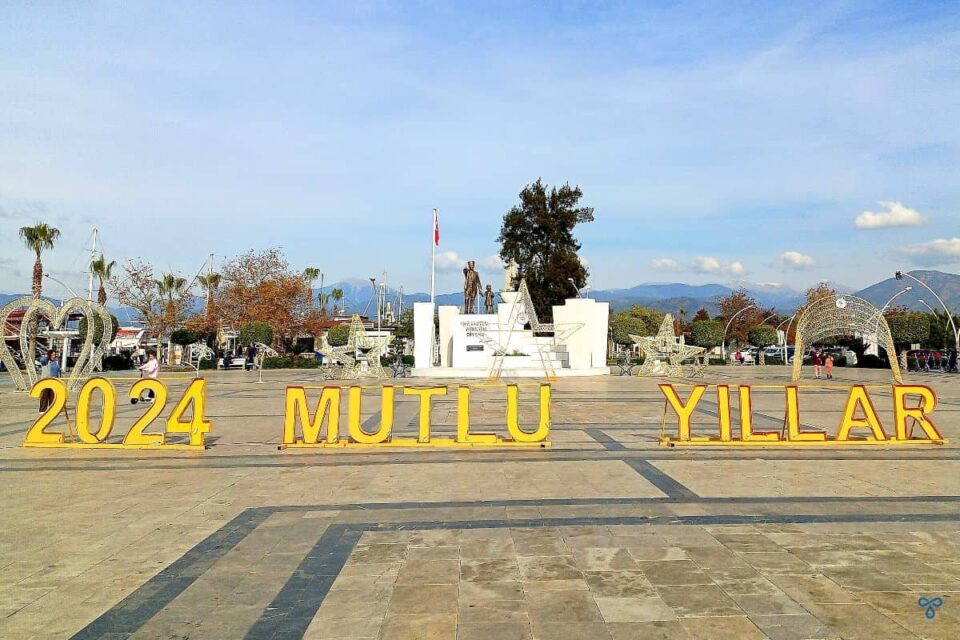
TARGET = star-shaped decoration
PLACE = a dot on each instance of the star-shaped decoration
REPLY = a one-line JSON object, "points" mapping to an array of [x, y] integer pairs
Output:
{"points": [[372, 347], [663, 353]]}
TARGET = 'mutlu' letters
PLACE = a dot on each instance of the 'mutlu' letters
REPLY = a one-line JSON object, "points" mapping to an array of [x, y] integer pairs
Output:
{"points": [[327, 410]]}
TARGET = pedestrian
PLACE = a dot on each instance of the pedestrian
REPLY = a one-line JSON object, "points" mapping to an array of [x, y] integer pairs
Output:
{"points": [[738, 357], [817, 359], [150, 369], [251, 356], [828, 366], [952, 362], [49, 368]]}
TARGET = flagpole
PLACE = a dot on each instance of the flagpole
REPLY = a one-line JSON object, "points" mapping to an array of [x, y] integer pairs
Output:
{"points": [[433, 257]]}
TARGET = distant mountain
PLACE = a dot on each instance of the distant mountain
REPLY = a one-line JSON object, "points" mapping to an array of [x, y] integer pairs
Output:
{"points": [[947, 286]]}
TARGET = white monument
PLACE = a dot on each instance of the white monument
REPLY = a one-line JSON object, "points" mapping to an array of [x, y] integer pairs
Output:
{"points": [[512, 342]]}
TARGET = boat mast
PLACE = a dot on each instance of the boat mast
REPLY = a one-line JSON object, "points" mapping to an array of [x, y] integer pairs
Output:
{"points": [[93, 256]]}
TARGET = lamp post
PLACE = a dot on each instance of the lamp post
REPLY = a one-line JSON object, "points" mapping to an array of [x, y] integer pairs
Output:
{"points": [[786, 336], [956, 333], [723, 348], [575, 287]]}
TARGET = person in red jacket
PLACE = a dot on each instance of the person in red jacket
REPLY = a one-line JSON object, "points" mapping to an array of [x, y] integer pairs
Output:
{"points": [[817, 362]]}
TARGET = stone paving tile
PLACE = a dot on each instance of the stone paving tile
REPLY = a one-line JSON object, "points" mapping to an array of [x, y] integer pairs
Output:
{"points": [[802, 626], [634, 609], [722, 628], [674, 572], [654, 630], [419, 627], [699, 600], [498, 630]]}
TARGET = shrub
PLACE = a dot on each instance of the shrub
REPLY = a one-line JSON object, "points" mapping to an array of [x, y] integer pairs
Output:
{"points": [[98, 328], [208, 364], [256, 332], [773, 360], [183, 337], [306, 362], [278, 362], [338, 335], [716, 361], [762, 335], [408, 360]]}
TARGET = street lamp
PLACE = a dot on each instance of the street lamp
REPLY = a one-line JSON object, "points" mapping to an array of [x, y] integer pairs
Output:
{"points": [[575, 287], [956, 332], [786, 336], [894, 297], [723, 348]]}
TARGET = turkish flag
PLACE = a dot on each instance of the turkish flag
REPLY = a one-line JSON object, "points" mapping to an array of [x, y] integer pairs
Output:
{"points": [[436, 229]]}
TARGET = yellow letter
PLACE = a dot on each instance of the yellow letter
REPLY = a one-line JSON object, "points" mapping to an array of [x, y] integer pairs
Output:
{"points": [[296, 410], [746, 420], [723, 411], [463, 421], [683, 411], [860, 398], [513, 415], [386, 417], [793, 419], [426, 395], [928, 402]]}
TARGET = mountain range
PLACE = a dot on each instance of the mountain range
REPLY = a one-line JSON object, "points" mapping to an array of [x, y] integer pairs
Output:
{"points": [[677, 295], [358, 295]]}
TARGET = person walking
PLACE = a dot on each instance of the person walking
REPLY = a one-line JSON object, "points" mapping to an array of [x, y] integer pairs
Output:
{"points": [[828, 366], [49, 368], [817, 359], [150, 369], [251, 356]]}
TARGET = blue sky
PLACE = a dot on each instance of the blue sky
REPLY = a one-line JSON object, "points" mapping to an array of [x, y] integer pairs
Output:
{"points": [[717, 142]]}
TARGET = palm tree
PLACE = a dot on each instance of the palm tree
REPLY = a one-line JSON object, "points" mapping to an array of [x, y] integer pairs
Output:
{"points": [[337, 296], [168, 287], [103, 270], [37, 238], [310, 274], [209, 283]]}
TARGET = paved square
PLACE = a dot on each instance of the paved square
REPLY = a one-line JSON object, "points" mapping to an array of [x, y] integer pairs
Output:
{"points": [[606, 535]]}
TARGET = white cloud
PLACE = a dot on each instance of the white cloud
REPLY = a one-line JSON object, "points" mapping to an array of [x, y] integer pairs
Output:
{"points": [[665, 264], [939, 251], [701, 264], [706, 264], [490, 263], [896, 215], [449, 261], [796, 260]]}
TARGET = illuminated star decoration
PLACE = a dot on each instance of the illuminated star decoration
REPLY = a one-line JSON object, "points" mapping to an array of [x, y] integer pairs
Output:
{"points": [[663, 353], [372, 348]]}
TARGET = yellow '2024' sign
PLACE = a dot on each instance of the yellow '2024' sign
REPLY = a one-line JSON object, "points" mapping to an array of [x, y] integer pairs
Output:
{"points": [[327, 411], [859, 413], [88, 435]]}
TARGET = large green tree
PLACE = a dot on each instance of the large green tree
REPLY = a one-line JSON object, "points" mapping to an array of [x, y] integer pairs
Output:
{"points": [[537, 235], [911, 327], [39, 238]]}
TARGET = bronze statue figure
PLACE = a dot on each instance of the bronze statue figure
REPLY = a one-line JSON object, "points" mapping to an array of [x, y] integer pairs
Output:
{"points": [[471, 288], [488, 299]]}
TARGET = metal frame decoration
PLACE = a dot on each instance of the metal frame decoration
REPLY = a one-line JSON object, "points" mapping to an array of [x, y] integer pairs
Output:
{"points": [[664, 353], [91, 353], [839, 315], [373, 346], [524, 312]]}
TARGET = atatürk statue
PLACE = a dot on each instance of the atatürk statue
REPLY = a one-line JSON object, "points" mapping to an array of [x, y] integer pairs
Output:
{"points": [[471, 288]]}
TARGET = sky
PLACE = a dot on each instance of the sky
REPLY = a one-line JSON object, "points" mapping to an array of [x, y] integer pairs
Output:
{"points": [[716, 141]]}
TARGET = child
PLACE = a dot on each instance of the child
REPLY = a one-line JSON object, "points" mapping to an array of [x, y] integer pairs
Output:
{"points": [[828, 366], [150, 369], [817, 362]]}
